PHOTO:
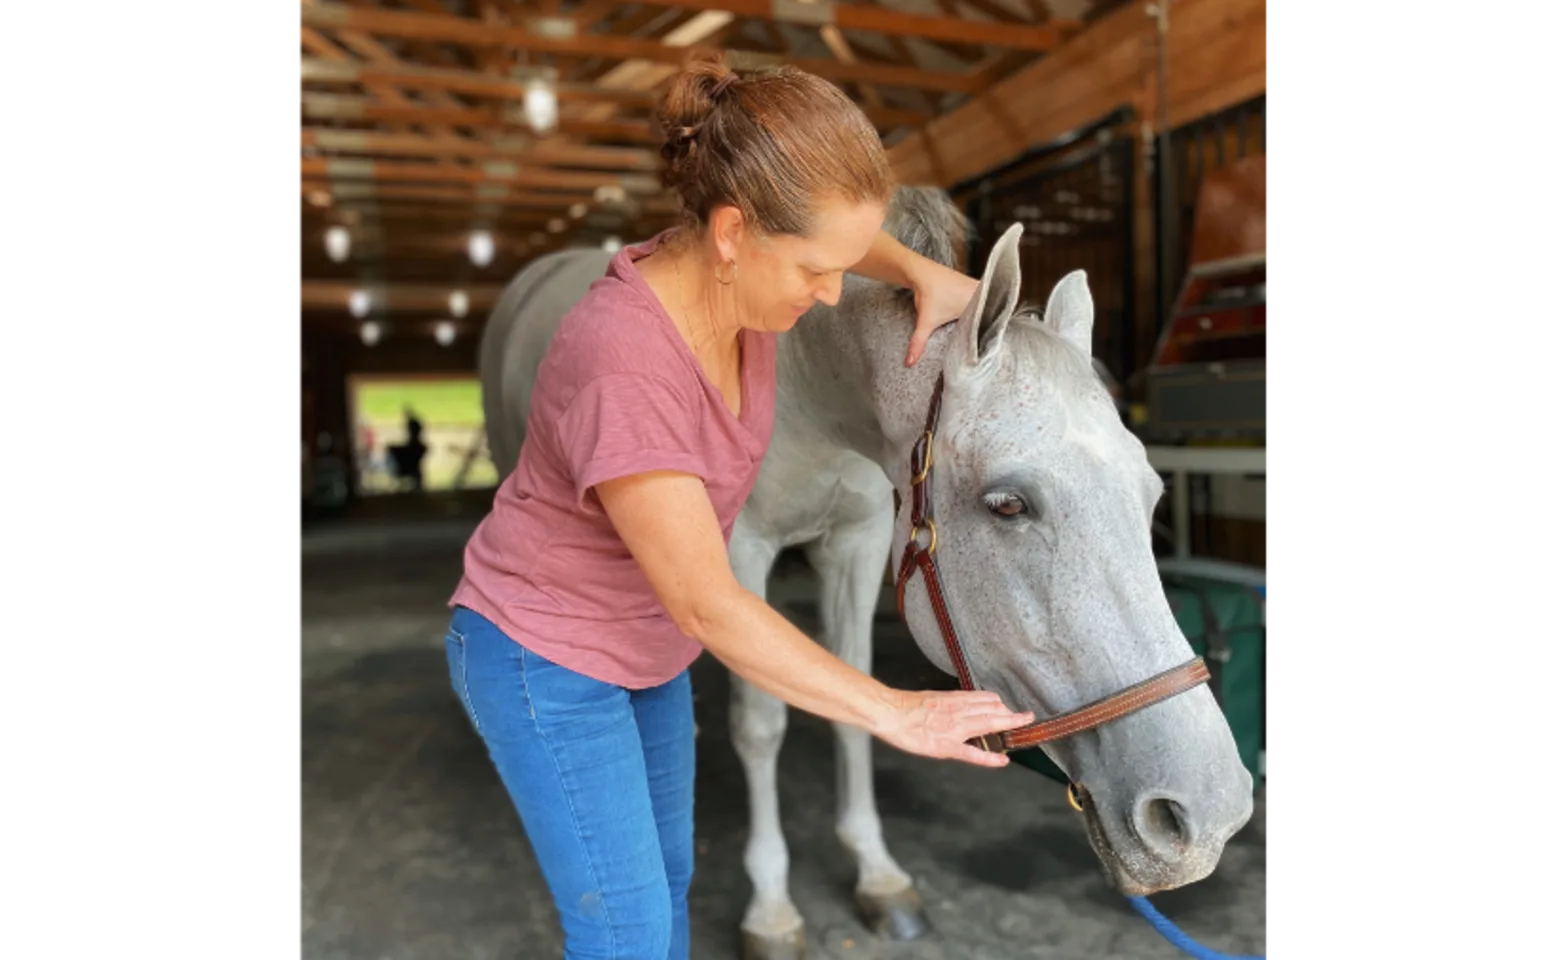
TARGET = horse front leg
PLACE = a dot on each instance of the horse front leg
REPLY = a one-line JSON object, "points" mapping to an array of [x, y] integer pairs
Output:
{"points": [[851, 561], [772, 928]]}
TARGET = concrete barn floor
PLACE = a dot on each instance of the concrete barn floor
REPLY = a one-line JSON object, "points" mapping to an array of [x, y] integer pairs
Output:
{"points": [[411, 849]]}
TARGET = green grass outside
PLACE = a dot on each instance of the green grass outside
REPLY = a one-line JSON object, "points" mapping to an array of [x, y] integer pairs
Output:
{"points": [[452, 414], [445, 402]]}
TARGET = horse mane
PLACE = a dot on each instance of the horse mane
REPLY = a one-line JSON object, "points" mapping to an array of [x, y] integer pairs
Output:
{"points": [[1039, 349], [929, 223]]}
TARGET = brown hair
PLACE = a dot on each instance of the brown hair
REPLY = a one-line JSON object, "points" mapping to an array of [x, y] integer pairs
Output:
{"points": [[771, 143]]}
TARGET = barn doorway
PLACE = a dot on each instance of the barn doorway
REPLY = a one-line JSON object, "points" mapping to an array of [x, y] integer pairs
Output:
{"points": [[418, 432]]}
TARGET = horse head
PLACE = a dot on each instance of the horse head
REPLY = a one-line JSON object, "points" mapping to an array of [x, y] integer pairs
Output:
{"points": [[1044, 554]]}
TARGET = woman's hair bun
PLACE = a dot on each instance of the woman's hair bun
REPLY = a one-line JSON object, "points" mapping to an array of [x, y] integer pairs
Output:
{"points": [[691, 99]]}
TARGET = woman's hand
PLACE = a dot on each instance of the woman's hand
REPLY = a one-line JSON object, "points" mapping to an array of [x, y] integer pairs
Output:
{"points": [[938, 724], [941, 294]]}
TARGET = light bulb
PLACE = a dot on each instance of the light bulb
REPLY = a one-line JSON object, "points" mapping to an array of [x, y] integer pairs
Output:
{"points": [[612, 244], [338, 242], [458, 304], [358, 303], [369, 332], [480, 248], [445, 333], [540, 106]]}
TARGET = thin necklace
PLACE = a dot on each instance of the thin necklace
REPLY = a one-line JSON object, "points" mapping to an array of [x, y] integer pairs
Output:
{"points": [[684, 306]]}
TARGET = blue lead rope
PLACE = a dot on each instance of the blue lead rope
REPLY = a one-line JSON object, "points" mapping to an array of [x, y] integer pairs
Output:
{"points": [[1178, 937]]}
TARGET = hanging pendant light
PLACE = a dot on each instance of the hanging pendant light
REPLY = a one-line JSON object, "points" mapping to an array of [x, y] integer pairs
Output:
{"points": [[480, 248], [339, 242], [540, 105]]}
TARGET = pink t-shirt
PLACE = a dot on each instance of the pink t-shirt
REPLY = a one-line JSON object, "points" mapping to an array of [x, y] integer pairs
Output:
{"points": [[619, 392]]}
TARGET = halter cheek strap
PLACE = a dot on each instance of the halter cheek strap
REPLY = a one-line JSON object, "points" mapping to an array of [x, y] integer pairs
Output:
{"points": [[918, 556]]}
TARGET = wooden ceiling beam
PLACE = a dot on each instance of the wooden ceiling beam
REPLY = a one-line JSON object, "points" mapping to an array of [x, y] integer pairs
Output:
{"points": [[450, 271], [543, 153], [324, 49], [435, 213], [509, 245], [331, 295], [903, 48], [480, 85], [370, 49], [1037, 39], [325, 106], [653, 23], [341, 192], [554, 36], [467, 82], [486, 196], [405, 328], [493, 172], [445, 217]]}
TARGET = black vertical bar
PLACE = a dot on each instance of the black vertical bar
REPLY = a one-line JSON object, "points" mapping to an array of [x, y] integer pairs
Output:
{"points": [[1158, 225], [973, 227], [1126, 215], [977, 251], [1202, 134]]}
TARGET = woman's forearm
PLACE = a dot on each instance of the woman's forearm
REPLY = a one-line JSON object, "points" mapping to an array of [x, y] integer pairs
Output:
{"points": [[667, 521], [759, 644]]}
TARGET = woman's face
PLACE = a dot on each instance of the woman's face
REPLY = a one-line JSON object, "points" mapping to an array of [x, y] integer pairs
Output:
{"points": [[781, 277]]}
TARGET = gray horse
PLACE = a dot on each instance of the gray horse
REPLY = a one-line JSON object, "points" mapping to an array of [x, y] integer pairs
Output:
{"points": [[1045, 502]]}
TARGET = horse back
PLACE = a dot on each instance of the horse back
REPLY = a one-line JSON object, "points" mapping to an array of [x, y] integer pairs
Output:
{"points": [[517, 335]]}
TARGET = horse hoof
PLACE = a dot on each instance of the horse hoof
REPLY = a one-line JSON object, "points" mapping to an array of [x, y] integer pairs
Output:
{"points": [[782, 946], [895, 916]]}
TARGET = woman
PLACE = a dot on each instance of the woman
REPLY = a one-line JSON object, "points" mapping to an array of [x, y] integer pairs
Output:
{"points": [[602, 571]]}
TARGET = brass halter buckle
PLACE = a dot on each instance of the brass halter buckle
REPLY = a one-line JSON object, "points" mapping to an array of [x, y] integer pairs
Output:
{"points": [[926, 458], [1069, 794]]}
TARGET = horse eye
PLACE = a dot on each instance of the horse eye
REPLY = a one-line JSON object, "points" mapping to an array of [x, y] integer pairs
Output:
{"points": [[1006, 505]]}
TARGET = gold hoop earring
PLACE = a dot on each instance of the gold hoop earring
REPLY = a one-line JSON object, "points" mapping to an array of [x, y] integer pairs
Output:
{"points": [[734, 274]]}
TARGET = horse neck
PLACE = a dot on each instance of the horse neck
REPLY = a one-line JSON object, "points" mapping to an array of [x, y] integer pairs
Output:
{"points": [[845, 365]]}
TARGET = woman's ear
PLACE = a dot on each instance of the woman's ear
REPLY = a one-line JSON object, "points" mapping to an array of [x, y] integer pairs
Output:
{"points": [[727, 231]]}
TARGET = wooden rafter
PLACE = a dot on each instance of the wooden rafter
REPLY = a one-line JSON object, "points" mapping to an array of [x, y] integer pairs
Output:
{"points": [[412, 134], [540, 153], [468, 32], [1038, 39], [482, 86], [320, 106]]}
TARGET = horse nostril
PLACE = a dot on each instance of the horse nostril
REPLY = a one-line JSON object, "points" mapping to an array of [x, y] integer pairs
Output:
{"points": [[1163, 823]]}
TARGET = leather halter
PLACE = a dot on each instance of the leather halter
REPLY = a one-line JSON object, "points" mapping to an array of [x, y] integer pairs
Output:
{"points": [[917, 556]]}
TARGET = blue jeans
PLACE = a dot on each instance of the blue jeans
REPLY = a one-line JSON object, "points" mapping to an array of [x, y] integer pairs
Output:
{"points": [[604, 780]]}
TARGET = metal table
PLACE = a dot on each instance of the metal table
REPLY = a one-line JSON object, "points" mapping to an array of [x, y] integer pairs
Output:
{"points": [[1182, 461]]}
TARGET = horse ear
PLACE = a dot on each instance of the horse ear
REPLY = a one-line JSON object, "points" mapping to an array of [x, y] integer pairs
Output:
{"points": [[983, 323], [1070, 310]]}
